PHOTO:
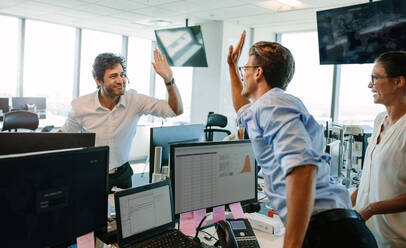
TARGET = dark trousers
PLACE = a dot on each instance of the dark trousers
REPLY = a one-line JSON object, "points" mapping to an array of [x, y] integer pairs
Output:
{"points": [[122, 177], [338, 228]]}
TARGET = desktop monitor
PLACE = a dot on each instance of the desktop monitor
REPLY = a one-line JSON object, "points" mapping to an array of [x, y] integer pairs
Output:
{"points": [[51, 198], [182, 46], [210, 174], [164, 136], [4, 107], [20, 103], [358, 34], [16, 142]]}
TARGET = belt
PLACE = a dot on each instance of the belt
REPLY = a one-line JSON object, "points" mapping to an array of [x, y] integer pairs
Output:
{"points": [[328, 216]]}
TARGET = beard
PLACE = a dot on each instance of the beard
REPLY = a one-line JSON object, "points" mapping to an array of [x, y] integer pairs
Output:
{"points": [[114, 90]]}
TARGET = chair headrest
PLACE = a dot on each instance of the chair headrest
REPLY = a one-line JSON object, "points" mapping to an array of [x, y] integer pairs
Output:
{"points": [[217, 120], [20, 119]]}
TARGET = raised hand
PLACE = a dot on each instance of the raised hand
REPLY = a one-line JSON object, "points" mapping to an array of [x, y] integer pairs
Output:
{"points": [[234, 54], [161, 66]]}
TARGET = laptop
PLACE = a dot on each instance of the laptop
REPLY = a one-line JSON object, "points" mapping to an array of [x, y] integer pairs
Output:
{"points": [[146, 218]]}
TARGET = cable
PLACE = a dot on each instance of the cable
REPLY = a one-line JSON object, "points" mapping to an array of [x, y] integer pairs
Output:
{"points": [[211, 235], [198, 228]]}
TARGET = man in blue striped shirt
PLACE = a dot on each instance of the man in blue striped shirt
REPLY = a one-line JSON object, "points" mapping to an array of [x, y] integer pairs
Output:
{"points": [[288, 144]]}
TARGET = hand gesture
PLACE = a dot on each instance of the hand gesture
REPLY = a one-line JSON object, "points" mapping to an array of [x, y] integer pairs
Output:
{"points": [[161, 66], [234, 55]]}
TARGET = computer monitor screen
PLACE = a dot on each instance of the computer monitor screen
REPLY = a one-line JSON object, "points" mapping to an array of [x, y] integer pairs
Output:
{"points": [[35, 142], [163, 136], [4, 107], [51, 198], [359, 33], [182, 46], [209, 174], [20, 103]]}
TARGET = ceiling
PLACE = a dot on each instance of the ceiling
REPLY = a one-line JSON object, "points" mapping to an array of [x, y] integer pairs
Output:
{"points": [[140, 17]]}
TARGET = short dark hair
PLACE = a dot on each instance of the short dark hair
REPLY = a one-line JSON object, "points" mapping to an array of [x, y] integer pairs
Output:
{"points": [[276, 61], [105, 61], [394, 63]]}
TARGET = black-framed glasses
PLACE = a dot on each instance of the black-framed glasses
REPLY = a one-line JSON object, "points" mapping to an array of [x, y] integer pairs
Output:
{"points": [[243, 69], [375, 77]]}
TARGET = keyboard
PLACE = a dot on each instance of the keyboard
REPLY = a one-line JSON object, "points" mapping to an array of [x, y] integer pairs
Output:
{"points": [[248, 243], [170, 239]]}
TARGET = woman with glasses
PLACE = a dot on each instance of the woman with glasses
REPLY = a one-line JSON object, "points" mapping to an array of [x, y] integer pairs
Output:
{"points": [[381, 196]]}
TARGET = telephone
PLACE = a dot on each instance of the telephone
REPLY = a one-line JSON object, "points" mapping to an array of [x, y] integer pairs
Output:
{"points": [[236, 233]]}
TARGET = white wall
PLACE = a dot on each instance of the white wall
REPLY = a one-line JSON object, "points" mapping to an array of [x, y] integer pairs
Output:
{"points": [[206, 81]]}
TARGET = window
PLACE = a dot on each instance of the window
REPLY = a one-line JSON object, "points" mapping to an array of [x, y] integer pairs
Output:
{"points": [[94, 43], [48, 67], [183, 79], [312, 82], [139, 64], [356, 105], [8, 51]]}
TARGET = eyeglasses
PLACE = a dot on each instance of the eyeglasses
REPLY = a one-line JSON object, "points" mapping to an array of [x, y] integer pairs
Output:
{"points": [[375, 77], [243, 69]]}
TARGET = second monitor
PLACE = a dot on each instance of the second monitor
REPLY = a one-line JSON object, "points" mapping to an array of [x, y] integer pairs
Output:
{"points": [[210, 174], [163, 136]]}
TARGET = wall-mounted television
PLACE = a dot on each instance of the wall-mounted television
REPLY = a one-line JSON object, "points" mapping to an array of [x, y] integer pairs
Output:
{"points": [[182, 46], [358, 34]]}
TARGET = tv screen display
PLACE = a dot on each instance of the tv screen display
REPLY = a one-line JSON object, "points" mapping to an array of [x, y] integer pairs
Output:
{"points": [[182, 46], [358, 34]]}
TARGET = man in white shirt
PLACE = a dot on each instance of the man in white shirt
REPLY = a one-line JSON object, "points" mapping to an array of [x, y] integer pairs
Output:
{"points": [[113, 113]]}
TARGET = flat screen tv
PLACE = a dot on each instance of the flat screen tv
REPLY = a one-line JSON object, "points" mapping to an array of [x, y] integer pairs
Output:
{"points": [[182, 46], [358, 34]]}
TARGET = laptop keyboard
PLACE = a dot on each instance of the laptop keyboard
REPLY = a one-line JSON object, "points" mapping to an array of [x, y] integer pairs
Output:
{"points": [[170, 239]]}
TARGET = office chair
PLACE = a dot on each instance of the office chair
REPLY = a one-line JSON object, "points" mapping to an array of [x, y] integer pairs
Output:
{"points": [[20, 119], [215, 120]]}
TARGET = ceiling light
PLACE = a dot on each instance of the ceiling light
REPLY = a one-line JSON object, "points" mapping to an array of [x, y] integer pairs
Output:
{"points": [[155, 23], [283, 5]]}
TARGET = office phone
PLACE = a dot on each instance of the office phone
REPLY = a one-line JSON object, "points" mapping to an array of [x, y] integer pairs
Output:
{"points": [[236, 233]]}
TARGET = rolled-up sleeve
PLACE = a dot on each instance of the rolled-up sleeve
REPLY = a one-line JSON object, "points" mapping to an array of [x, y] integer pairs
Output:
{"points": [[71, 124], [156, 107], [285, 132]]}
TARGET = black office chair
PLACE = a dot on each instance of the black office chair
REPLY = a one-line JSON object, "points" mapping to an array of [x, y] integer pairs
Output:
{"points": [[215, 120], [20, 119]]}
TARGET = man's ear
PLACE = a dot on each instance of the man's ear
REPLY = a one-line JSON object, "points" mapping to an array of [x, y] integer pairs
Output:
{"points": [[99, 83], [259, 74]]}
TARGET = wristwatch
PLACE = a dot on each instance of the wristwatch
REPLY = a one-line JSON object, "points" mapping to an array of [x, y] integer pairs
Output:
{"points": [[170, 82]]}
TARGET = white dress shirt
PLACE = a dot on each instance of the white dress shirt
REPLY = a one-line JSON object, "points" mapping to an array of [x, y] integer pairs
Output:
{"points": [[115, 128], [383, 178]]}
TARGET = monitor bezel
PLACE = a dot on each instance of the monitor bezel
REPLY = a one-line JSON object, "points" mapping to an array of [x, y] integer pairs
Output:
{"points": [[172, 170], [148, 233]]}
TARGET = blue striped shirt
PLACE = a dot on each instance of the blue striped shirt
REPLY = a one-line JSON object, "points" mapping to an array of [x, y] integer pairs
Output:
{"points": [[284, 136]]}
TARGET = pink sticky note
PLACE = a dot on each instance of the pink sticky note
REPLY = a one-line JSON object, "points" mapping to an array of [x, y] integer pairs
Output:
{"points": [[85, 241], [198, 216], [219, 214], [187, 223], [236, 210]]}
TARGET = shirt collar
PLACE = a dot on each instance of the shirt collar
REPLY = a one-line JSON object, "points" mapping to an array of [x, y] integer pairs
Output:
{"points": [[97, 104], [271, 91]]}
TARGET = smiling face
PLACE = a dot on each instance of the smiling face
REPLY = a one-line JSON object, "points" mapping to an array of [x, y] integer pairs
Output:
{"points": [[383, 89], [114, 81]]}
